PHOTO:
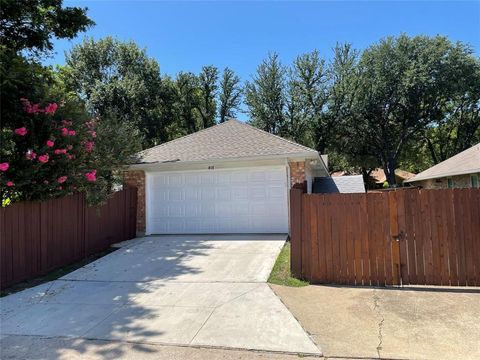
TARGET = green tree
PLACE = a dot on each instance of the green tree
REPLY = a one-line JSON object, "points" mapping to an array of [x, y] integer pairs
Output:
{"points": [[265, 95], [230, 95], [459, 129], [115, 77], [208, 82], [404, 86], [188, 101], [31, 24], [310, 85]]}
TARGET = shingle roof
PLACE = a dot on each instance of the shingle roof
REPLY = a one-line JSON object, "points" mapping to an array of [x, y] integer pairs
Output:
{"points": [[339, 184], [229, 140], [378, 175], [466, 162]]}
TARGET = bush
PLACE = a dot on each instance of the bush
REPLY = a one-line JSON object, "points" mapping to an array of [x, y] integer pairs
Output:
{"points": [[47, 155]]}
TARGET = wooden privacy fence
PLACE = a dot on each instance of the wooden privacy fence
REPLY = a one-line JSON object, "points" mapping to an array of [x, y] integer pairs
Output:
{"points": [[37, 237], [407, 236]]}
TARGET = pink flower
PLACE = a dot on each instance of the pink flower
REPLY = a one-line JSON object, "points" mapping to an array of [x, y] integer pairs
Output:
{"points": [[60, 188], [93, 133], [29, 108], [30, 155], [60, 151], [66, 122], [21, 131], [50, 143], [91, 176], [62, 179], [51, 108], [71, 132], [43, 158], [64, 131], [69, 147], [10, 183], [70, 157], [89, 146], [4, 166], [45, 182]]}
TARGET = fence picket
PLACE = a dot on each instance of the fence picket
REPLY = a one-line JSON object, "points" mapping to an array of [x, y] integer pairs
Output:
{"points": [[36, 237], [349, 239]]}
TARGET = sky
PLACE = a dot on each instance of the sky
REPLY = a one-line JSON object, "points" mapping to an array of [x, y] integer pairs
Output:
{"points": [[184, 36]]}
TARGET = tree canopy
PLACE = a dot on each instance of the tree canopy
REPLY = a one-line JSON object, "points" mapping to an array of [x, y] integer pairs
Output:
{"points": [[31, 24]]}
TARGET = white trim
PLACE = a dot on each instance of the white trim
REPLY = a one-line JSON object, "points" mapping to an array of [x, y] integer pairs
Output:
{"points": [[449, 174], [288, 157]]}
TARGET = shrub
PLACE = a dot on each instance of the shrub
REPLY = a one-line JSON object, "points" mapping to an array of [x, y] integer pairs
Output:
{"points": [[47, 155]]}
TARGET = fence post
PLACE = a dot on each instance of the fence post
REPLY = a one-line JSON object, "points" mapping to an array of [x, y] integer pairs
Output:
{"points": [[296, 231]]}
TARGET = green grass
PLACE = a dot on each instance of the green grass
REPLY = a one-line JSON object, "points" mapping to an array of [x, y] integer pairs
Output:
{"points": [[55, 274], [281, 274]]}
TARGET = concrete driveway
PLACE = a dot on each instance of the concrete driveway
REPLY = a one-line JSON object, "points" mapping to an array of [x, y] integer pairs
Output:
{"points": [[183, 290], [427, 323]]}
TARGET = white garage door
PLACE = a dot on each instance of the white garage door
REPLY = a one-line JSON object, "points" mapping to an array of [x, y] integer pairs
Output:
{"points": [[252, 200]]}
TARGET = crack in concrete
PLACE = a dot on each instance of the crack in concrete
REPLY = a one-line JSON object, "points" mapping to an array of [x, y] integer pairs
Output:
{"points": [[219, 306], [376, 307]]}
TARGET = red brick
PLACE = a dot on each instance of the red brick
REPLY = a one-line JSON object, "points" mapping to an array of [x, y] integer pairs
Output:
{"points": [[136, 178]]}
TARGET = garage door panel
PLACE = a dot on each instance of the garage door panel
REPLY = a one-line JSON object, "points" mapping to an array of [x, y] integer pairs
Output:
{"points": [[224, 193], [276, 192], [222, 201], [258, 193], [175, 180], [238, 177], [257, 176], [208, 194], [192, 194], [175, 194], [208, 210], [240, 193]]}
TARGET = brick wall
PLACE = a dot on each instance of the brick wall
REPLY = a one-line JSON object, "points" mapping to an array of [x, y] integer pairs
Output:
{"points": [[461, 181], [136, 178], [297, 172]]}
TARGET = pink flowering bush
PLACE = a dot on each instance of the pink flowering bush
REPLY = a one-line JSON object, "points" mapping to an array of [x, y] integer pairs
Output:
{"points": [[48, 154]]}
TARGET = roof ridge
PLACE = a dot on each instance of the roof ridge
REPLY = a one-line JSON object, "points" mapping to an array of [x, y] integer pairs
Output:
{"points": [[184, 136], [438, 170], [277, 136], [454, 157]]}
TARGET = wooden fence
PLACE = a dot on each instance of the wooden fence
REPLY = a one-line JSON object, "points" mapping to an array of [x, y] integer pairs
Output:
{"points": [[37, 237], [407, 236]]}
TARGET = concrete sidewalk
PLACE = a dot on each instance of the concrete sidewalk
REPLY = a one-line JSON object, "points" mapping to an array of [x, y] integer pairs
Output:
{"points": [[182, 290], [413, 323]]}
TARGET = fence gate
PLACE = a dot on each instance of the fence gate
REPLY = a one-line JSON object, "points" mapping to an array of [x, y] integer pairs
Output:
{"points": [[407, 236]]}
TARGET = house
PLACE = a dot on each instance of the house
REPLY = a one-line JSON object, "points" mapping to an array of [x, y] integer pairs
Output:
{"points": [[229, 178], [378, 177], [459, 171]]}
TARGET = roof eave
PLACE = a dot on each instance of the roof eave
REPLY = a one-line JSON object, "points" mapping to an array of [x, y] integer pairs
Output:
{"points": [[438, 176], [290, 157]]}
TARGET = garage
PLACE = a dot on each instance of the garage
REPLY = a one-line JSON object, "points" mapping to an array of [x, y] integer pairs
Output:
{"points": [[228, 178], [248, 200]]}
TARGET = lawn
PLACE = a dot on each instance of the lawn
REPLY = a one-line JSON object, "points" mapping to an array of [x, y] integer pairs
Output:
{"points": [[281, 274]]}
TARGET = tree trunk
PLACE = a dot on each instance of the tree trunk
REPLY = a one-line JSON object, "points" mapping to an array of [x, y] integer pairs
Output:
{"points": [[389, 169]]}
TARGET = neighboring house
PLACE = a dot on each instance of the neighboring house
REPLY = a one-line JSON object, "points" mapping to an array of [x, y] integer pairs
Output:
{"points": [[229, 178], [459, 171], [378, 178], [347, 184]]}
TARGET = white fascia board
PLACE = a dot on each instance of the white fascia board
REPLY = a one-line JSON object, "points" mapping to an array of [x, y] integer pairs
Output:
{"points": [[447, 174], [290, 157]]}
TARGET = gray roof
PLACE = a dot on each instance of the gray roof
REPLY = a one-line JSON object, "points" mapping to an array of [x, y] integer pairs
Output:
{"points": [[466, 162], [339, 184], [229, 140]]}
